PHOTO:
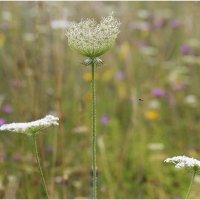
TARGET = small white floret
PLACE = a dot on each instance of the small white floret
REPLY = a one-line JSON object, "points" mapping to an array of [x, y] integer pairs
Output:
{"points": [[31, 127]]}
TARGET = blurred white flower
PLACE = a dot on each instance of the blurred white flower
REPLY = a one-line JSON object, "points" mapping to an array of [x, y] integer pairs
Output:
{"points": [[140, 26], [30, 128], [197, 179], [143, 14], [154, 104], [184, 162], [80, 129], [149, 51], [6, 15], [194, 42], [58, 179], [91, 39], [156, 146], [178, 74], [12, 187], [28, 37], [101, 144], [59, 24], [191, 60], [191, 100]]}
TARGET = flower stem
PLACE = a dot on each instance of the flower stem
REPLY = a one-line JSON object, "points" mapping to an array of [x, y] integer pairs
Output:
{"points": [[191, 182], [94, 178], [39, 165]]}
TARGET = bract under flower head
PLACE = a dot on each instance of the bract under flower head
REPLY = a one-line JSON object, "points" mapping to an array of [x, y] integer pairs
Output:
{"points": [[30, 128], [184, 162], [91, 39]]}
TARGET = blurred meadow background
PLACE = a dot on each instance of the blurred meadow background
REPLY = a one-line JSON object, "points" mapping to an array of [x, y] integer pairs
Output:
{"points": [[156, 59]]}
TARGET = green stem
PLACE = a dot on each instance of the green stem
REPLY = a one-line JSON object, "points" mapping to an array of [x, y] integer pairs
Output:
{"points": [[191, 182], [39, 165], [94, 178]]}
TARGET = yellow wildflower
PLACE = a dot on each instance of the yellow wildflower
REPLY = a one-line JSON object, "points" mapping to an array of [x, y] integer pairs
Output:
{"points": [[124, 50], [193, 153], [107, 75], [87, 98], [122, 91], [87, 76], [2, 39], [152, 115]]}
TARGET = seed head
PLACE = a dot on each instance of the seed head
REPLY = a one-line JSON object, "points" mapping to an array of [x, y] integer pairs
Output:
{"points": [[91, 39]]}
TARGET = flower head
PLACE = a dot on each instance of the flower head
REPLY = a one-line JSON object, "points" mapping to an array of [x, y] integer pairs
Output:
{"points": [[30, 128], [186, 49], [120, 75], [59, 24], [91, 39], [105, 120], [191, 100], [152, 115], [156, 146], [184, 162], [7, 109], [158, 92], [175, 23]]}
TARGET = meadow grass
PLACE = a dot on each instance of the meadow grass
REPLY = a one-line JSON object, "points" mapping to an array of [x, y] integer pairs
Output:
{"points": [[158, 48]]}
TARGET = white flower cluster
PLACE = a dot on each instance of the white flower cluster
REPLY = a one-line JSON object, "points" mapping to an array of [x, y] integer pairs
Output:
{"points": [[91, 39], [31, 127], [184, 162]]}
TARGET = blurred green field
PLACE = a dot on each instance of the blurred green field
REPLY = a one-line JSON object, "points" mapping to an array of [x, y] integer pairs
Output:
{"points": [[156, 58]]}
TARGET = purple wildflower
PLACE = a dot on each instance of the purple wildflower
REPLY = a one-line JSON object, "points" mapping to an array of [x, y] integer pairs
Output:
{"points": [[105, 120], [5, 156], [179, 86], [175, 23], [159, 23], [140, 26], [17, 157], [2, 121], [186, 49], [142, 44], [143, 26], [7, 109], [16, 83], [120, 75], [171, 100], [158, 92], [49, 149]]}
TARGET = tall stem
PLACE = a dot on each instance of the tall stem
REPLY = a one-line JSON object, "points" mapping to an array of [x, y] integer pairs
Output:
{"points": [[39, 165], [191, 182], [94, 178]]}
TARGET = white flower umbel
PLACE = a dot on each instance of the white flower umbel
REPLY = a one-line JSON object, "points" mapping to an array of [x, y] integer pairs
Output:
{"points": [[184, 162], [30, 128], [91, 39]]}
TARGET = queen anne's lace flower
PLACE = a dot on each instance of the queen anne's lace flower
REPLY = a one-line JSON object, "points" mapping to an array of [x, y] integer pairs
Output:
{"points": [[91, 39], [30, 128], [184, 162]]}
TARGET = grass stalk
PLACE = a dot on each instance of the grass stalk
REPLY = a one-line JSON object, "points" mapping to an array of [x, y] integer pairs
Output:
{"points": [[191, 182], [94, 137], [39, 165]]}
